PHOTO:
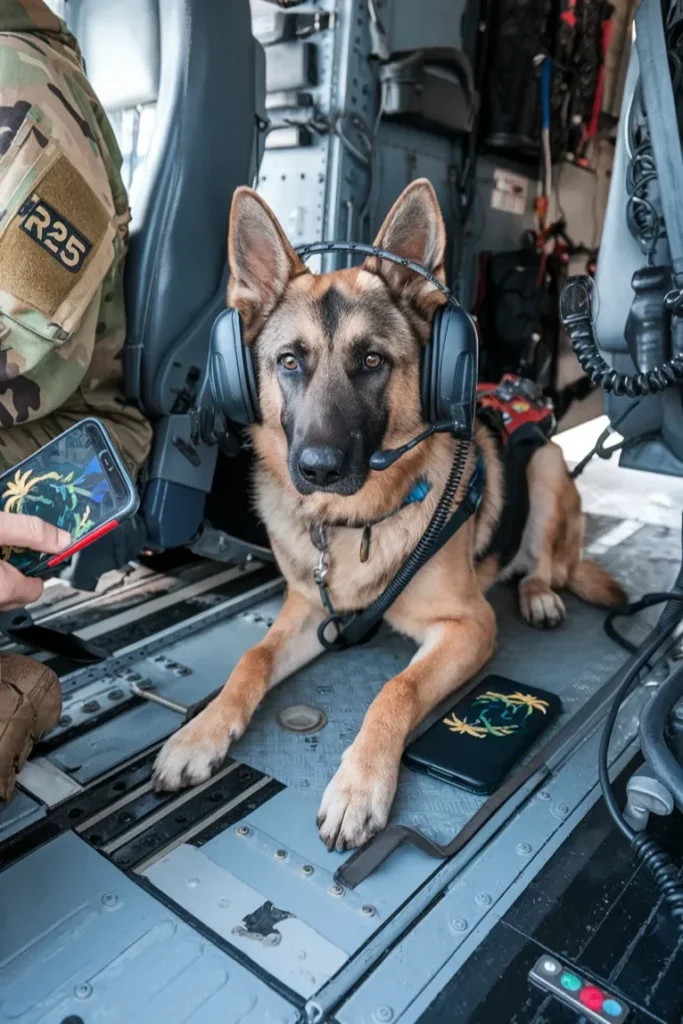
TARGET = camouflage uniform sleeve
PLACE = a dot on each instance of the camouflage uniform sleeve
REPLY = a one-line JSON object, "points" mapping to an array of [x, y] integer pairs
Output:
{"points": [[61, 228]]}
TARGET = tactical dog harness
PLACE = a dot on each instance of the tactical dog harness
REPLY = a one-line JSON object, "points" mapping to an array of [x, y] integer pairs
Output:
{"points": [[521, 420]]}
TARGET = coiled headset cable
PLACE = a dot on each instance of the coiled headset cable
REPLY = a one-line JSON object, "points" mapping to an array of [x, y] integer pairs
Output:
{"points": [[577, 316], [646, 847]]}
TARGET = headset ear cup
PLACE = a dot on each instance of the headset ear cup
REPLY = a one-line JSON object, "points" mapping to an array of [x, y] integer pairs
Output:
{"points": [[454, 365], [232, 375], [429, 371]]}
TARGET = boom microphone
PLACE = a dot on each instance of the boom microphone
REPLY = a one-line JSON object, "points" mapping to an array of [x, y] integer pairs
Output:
{"points": [[388, 456]]}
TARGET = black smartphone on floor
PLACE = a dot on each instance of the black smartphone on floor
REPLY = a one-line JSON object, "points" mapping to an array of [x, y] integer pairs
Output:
{"points": [[484, 735], [76, 482]]}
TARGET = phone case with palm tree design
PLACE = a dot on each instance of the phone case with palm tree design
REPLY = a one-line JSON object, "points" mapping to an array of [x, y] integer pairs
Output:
{"points": [[484, 735]]}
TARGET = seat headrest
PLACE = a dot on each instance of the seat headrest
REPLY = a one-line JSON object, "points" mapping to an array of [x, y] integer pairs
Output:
{"points": [[120, 43]]}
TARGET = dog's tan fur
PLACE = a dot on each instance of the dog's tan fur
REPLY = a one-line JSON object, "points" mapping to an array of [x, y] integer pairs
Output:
{"points": [[444, 609]]}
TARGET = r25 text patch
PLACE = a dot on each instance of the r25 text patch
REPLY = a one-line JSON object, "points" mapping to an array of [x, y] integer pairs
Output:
{"points": [[54, 233]]}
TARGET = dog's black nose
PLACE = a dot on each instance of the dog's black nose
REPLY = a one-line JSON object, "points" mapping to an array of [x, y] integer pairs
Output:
{"points": [[321, 466]]}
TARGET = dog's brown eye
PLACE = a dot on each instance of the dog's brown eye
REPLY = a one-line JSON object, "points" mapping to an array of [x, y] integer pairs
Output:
{"points": [[288, 361], [373, 360]]}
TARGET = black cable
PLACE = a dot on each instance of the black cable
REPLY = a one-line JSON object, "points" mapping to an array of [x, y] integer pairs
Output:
{"points": [[354, 629], [632, 608], [599, 447], [646, 848], [652, 733]]}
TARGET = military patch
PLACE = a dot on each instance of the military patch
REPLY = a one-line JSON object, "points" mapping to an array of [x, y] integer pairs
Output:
{"points": [[51, 230], [49, 249]]}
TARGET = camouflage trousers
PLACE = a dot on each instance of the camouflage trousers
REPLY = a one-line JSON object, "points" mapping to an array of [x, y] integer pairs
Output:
{"points": [[128, 428]]}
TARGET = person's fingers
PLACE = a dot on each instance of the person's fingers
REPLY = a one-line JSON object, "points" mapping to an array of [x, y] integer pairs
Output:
{"points": [[21, 531], [17, 590]]}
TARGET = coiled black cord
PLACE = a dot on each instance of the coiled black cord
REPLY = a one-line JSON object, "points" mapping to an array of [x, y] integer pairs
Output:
{"points": [[646, 848], [577, 317], [357, 627], [423, 550], [664, 872]]}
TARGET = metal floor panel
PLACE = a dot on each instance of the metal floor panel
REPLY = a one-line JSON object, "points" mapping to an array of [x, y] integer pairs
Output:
{"points": [[80, 941], [19, 813], [274, 858], [277, 875]]}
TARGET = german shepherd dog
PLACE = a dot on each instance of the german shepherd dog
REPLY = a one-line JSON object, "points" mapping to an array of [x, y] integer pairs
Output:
{"points": [[338, 366]]}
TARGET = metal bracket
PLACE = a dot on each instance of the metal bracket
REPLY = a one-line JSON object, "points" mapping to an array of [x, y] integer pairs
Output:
{"points": [[312, 874], [145, 691], [222, 547]]}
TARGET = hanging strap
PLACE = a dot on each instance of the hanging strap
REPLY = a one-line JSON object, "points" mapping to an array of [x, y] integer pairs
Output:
{"points": [[660, 108]]}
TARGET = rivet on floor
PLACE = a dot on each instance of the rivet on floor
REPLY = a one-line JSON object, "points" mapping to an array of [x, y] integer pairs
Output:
{"points": [[307, 869], [367, 910], [383, 1014], [83, 991], [483, 899], [336, 889], [110, 899], [280, 854], [524, 848], [459, 924], [243, 830]]}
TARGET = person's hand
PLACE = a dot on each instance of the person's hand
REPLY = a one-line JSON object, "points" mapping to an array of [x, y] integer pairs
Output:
{"points": [[18, 531]]}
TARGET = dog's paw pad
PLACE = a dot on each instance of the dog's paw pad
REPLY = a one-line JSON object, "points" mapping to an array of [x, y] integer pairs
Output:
{"points": [[354, 808], [543, 609], [189, 757]]}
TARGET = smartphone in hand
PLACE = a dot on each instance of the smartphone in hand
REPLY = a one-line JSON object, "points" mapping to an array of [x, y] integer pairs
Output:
{"points": [[78, 483]]}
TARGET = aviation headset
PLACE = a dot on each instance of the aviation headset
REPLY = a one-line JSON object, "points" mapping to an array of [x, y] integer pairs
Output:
{"points": [[448, 365]]}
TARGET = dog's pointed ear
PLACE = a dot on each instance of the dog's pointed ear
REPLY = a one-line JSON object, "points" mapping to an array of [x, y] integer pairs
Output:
{"points": [[262, 261], [414, 229]]}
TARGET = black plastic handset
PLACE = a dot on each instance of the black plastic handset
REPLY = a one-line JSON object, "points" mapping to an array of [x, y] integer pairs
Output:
{"points": [[647, 326]]}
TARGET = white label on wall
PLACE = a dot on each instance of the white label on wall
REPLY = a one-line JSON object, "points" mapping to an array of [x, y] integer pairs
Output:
{"points": [[509, 191]]}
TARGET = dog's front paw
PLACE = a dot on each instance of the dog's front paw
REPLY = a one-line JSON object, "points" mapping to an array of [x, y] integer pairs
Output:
{"points": [[540, 606], [356, 804], [193, 753]]}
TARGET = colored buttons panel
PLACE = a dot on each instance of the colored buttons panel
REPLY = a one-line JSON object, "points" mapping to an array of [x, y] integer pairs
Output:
{"points": [[579, 993]]}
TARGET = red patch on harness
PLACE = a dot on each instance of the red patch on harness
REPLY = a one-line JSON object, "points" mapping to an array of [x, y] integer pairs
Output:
{"points": [[516, 402]]}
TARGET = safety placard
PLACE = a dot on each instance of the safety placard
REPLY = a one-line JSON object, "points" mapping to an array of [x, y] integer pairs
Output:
{"points": [[509, 191]]}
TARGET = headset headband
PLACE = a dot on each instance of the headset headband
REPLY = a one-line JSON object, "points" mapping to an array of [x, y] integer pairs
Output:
{"points": [[316, 248]]}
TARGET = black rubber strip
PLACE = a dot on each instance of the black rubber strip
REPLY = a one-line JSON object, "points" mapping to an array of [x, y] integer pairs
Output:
{"points": [[261, 796], [145, 626], [71, 812], [178, 821]]}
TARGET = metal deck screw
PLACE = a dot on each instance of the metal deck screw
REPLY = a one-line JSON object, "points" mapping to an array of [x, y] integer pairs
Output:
{"points": [[243, 830], [562, 809], [459, 924], [367, 910], [280, 854], [110, 899], [483, 899], [336, 889], [307, 869], [383, 1014], [544, 795], [524, 849], [83, 991]]}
